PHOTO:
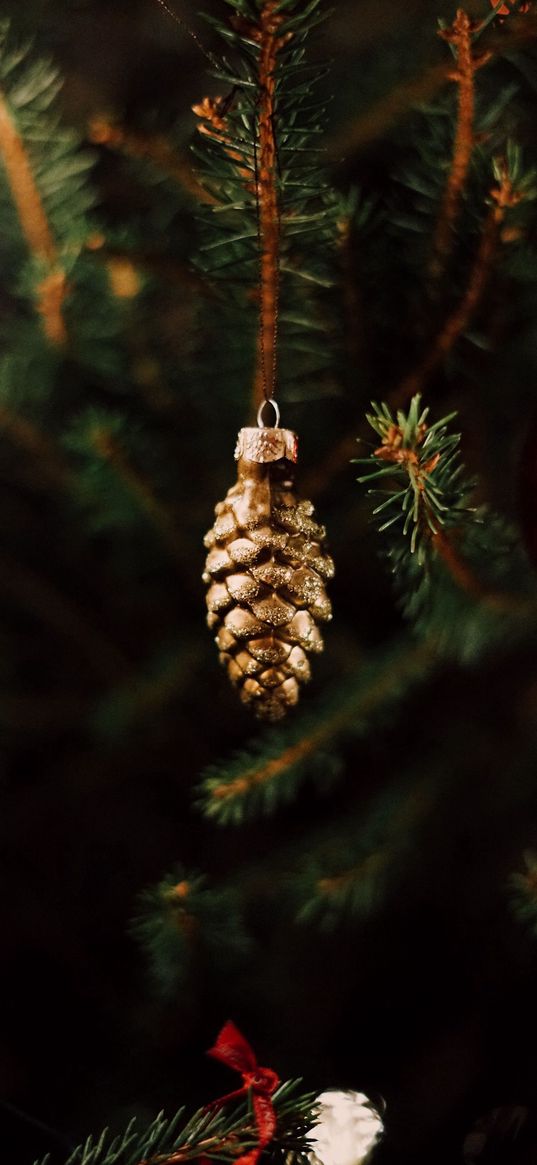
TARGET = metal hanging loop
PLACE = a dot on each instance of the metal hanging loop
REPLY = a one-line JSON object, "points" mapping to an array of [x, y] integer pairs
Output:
{"points": [[262, 424]]}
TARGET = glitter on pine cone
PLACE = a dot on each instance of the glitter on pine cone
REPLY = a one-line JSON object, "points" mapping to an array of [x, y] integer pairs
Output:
{"points": [[266, 570]]}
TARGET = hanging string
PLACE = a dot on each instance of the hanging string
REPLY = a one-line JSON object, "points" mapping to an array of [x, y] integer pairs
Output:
{"points": [[268, 387], [190, 32], [268, 392], [266, 165]]}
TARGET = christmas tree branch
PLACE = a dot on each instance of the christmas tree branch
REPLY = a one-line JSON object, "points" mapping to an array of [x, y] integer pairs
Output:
{"points": [[368, 127], [349, 882], [257, 780], [265, 33], [503, 196], [217, 1133], [465, 577], [52, 289], [183, 923], [393, 106], [153, 148], [273, 216], [460, 37], [436, 535]]}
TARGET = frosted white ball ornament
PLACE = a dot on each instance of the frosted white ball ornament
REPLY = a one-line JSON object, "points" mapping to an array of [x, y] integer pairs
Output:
{"points": [[347, 1130]]}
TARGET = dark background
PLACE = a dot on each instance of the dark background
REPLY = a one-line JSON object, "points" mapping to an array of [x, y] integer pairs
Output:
{"points": [[431, 1002]]}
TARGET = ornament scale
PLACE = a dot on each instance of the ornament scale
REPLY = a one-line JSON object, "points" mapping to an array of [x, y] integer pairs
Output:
{"points": [[266, 572]]}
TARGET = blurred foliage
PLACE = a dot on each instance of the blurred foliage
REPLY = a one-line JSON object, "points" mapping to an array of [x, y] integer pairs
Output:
{"points": [[357, 923]]}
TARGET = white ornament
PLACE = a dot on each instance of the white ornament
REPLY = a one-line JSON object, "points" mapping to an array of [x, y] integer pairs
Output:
{"points": [[347, 1130]]}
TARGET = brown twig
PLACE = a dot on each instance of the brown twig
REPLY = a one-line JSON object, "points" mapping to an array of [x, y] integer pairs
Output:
{"points": [[214, 125], [216, 1146], [465, 578], [150, 148], [460, 36], [334, 885], [52, 290], [413, 807], [502, 197], [444, 543], [265, 32], [368, 127], [361, 704]]}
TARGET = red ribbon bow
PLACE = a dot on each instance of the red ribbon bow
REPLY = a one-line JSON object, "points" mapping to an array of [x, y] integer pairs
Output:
{"points": [[232, 1049]]}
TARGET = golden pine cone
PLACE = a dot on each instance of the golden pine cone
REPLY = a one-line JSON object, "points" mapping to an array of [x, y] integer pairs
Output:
{"points": [[267, 571]]}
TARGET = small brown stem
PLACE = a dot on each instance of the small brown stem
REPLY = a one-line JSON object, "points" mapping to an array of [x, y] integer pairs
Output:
{"points": [[215, 1146], [405, 818], [368, 127], [35, 227], [151, 148], [265, 33], [502, 198], [463, 576], [332, 886], [460, 35], [459, 570], [362, 704]]}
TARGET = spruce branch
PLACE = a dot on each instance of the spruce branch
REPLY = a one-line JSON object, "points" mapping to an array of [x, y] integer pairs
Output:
{"points": [[222, 1134], [44, 171], [438, 541], [510, 189], [184, 924], [51, 290], [156, 149], [459, 36], [385, 114], [260, 168], [347, 880], [514, 189], [272, 770], [421, 463]]}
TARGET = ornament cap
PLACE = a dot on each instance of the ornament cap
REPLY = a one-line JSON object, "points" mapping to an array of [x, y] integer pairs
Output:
{"points": [[265, 445]]}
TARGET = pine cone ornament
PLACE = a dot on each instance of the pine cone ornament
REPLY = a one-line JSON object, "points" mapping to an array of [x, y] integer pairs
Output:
{"points": [[266, 570]]}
